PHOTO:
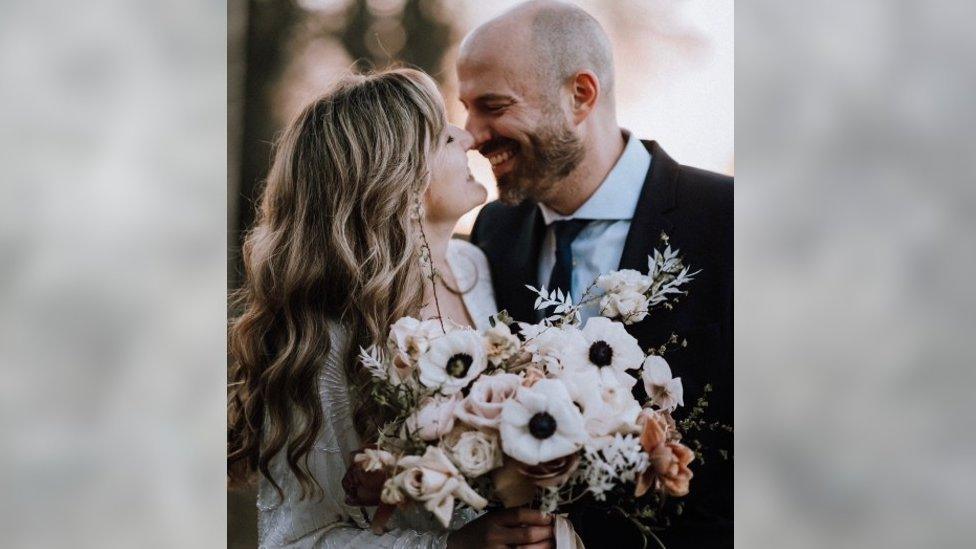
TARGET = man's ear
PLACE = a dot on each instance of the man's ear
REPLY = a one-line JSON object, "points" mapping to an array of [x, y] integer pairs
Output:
{"points": [[585, 90]]}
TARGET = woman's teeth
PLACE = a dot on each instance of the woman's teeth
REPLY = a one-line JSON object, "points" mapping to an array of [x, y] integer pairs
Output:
{"points": [[497, 158]]}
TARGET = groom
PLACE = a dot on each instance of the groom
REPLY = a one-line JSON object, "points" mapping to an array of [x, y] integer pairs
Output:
{"points": [[580, 196]]}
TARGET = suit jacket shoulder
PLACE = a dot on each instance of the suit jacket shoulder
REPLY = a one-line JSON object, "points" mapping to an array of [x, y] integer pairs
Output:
{"points": [[497, 218], [705, 190]]}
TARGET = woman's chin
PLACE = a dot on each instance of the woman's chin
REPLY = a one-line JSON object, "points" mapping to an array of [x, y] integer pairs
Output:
{"points": [[475, 200], [482, 195]]}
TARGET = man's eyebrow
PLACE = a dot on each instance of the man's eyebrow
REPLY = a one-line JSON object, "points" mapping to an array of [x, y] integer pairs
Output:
{"points": [[494, 97]]}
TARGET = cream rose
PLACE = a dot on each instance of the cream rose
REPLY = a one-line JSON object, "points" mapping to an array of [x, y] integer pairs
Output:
{"points": [[476, 452]]}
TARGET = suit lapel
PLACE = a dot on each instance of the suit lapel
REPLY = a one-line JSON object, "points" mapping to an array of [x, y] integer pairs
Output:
{"points": [[650, 217], [525, 255]]}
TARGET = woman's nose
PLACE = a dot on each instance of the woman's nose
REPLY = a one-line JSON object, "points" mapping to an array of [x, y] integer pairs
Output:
{"points": [[466, 139]]}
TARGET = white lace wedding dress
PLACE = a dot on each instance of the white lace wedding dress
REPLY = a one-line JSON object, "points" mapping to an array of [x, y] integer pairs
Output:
{"points": [[328, 522]]}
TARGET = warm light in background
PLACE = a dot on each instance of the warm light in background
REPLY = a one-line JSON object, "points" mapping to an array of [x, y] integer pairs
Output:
{"points": [[674, 72]]}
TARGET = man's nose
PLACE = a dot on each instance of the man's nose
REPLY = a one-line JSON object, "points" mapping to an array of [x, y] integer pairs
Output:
{"points": [[478, 130]]}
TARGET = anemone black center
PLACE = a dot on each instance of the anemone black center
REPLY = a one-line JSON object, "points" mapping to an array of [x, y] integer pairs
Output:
{"points": [[457, 365], [601, 354], [542, 425]]}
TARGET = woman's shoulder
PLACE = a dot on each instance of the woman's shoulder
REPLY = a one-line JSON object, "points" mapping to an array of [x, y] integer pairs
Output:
{"points": [[469, 250]]}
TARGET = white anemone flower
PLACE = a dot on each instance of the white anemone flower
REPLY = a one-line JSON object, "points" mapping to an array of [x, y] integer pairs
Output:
{"points": [[665, 392], [541, 423], [452, 361], [612, 351]]}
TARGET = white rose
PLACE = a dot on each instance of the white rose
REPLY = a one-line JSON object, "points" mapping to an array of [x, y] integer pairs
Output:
{"points": [[482, 407], [500, 344], [476, 452], [434, 418], [624, 280], [627, 305]]}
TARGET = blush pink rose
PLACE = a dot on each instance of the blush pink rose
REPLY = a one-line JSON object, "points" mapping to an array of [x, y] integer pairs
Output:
{"points": [[434, 418], [482, 408]]}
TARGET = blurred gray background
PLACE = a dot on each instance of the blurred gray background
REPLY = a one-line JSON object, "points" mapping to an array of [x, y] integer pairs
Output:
{"points": [[855, 191]]}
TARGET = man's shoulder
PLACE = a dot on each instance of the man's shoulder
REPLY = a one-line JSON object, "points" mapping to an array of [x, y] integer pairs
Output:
{"points": [[497, 216], [704, 190], [691, 186]]}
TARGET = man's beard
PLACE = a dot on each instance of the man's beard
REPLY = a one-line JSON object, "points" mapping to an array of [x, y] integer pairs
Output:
{"points": [[554, 153]]}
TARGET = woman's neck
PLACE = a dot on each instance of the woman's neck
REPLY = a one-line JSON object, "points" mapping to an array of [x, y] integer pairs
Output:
{"points": [[448, 304], [438, 237]]}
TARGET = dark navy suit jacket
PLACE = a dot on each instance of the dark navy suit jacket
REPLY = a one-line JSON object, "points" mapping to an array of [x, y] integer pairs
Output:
{"points": [[694, 207]]}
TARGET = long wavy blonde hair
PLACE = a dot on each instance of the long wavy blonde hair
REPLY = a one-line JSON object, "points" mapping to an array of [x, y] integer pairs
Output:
{"points": [[333, 239]]}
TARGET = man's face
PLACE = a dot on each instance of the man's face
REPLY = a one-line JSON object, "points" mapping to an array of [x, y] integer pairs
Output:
{"points": [[518, 126]]}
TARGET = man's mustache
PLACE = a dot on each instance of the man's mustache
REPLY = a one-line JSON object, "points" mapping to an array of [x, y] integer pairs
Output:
{"points": [[497, 144]]}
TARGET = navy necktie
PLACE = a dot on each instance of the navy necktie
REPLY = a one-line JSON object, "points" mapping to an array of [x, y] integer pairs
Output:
{"points": [[562, 272]]}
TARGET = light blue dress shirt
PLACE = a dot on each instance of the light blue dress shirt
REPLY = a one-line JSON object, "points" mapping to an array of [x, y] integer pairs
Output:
{"points": [[598, 247]]}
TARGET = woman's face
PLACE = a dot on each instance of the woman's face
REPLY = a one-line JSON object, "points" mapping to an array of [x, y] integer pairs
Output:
{"points": [[453, 191]]}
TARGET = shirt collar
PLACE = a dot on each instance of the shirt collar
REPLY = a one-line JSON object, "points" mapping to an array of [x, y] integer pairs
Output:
{"points": [[616, 197]]}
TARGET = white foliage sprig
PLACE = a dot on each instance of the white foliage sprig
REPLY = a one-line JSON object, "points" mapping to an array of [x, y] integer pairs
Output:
{"points": [[668, 273], [563, 307], [373, 360]]}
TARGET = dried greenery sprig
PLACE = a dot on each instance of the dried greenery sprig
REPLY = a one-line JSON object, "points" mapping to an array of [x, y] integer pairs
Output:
{"points": [[426, 259]]}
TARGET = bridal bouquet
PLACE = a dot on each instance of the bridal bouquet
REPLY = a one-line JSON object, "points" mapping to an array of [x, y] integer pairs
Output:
{"points": [[533, 414]]}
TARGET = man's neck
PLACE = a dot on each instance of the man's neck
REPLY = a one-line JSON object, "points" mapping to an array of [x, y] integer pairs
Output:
{"points": [[603, 150]]}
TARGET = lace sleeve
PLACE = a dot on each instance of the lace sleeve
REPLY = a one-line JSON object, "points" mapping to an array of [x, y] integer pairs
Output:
{"points": [[326, 521]]}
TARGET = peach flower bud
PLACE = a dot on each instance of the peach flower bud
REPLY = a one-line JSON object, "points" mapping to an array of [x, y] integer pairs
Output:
{"points": [[532, 375], [669, 459]]}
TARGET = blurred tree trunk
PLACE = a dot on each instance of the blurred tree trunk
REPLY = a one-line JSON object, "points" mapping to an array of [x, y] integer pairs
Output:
{"points": [[268, 26], [236, 71]]}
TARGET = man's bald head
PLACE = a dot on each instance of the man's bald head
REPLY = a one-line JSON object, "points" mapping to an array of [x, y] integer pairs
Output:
{"points": [[551, 40], [537, 82]]}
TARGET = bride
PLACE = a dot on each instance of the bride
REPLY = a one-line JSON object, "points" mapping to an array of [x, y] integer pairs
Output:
{"points": [[360, 179]]}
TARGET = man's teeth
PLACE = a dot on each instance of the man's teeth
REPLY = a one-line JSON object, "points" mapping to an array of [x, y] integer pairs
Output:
{"points": [[498, 158]]}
